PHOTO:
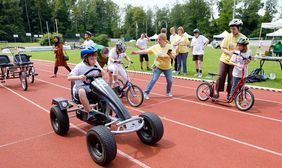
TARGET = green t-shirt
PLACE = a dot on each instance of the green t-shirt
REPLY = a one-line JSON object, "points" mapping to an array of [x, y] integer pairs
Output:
{"points": [[100, 58], [277, 47]]}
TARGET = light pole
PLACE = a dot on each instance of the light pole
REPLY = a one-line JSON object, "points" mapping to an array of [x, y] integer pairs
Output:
{"points": [[234, 6]]}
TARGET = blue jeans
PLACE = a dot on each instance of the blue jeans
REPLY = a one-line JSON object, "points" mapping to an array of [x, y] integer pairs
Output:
{"points": [[156, 74], [235, 81], [182, 60]]}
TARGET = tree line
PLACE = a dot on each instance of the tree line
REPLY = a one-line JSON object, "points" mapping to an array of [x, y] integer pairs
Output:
{"points": [[106, 17]]}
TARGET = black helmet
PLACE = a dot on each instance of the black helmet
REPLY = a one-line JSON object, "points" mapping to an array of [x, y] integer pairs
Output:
{"points": [[88, 33]]}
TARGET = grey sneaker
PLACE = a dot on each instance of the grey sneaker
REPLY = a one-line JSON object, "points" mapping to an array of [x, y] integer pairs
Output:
{"points": [[169, 94], [200, 75], [146, 96]]}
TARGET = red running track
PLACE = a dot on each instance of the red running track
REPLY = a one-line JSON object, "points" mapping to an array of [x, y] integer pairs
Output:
{"points": [[197, 134]]}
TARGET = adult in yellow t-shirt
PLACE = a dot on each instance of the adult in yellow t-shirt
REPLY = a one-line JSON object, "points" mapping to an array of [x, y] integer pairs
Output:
{"points": [[181, 44], [228, 45], [163, 54]]}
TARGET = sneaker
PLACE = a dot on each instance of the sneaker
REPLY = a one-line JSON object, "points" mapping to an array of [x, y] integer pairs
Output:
{"points": [[169, 94], [148, 69], [196, 75], [200, 75], [185, 74], [146, 96]]}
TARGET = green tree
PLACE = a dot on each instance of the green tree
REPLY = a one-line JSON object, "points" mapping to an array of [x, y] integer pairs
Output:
{"points": [[134, 23], [10, 19], [250, 17], [60, 12]]}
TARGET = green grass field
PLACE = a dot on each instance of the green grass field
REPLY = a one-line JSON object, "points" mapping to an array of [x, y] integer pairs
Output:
{"points": [[210, 64]]}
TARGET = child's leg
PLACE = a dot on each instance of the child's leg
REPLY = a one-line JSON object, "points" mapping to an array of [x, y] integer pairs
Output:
{"points": [[234, 84], [83, 99]]}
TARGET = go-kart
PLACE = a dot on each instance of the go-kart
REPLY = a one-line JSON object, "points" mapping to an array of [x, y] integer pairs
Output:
{"points": [[21, 68], [110, 118]]}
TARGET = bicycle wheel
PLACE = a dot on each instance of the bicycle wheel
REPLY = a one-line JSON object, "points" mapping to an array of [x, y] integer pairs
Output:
{"points": [[134, 96], [244, 100], [204, 91]]}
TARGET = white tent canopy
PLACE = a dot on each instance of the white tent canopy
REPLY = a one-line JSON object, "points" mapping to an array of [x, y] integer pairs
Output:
{"points": [[222, 35], [276, 33], [272, 25], [154, 37]]}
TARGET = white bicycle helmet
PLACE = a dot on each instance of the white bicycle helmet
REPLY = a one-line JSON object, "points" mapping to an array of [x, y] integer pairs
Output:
{"points": [[236, 22], [121, 46]]}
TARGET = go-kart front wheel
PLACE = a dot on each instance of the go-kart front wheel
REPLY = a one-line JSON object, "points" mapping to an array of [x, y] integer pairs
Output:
{"points": [[23, 81], [152, 131], [101, 145], [59, 120]]}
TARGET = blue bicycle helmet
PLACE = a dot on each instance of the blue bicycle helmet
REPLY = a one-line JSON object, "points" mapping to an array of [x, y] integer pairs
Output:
{"points": [[87, 51]]}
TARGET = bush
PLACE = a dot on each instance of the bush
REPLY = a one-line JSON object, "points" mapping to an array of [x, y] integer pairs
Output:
{"points": [[102, 39], [44, 40]]}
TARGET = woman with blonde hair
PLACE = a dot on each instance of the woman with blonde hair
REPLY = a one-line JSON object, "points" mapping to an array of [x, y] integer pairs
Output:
{"points": [[181, 44], [162, 64]]}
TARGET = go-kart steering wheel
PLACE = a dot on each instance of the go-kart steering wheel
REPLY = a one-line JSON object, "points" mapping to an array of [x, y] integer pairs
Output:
{"points": [[91, 78]]}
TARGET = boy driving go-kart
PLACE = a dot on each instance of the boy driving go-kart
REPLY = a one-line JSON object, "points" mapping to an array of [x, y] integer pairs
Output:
{"points": [[81, 91], [114, 63]]}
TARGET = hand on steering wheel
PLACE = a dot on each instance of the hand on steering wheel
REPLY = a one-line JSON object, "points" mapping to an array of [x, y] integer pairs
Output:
{"points": [[91, 78]]}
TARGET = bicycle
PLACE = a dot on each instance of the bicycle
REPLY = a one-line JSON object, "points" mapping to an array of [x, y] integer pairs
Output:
{"points": [[243, 97], [132, 92]]}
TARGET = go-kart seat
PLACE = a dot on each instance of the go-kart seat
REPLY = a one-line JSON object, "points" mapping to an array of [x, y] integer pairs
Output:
{"points": [[22, 59], [5, 61], [75, 98]]}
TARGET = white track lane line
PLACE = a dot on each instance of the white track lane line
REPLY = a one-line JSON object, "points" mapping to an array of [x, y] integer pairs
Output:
{"points": [[141, 164], [199, 129]]}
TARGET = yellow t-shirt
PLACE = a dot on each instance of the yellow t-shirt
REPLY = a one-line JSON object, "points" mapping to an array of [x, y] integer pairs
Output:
{"points": [[229, 43], [182, 48], [162, 61]]}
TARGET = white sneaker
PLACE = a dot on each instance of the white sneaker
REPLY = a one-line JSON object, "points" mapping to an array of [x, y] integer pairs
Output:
{"points": [[200, 75], [146, 96], [169, 94], [196, 75]]}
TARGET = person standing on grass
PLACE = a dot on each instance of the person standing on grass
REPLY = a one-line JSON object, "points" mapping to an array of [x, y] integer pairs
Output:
{"points": [[163, 54], [173, 36], [102, 55], [198, 43], [228, 46], [59, 56], [88, 43], [142, 44], [181, 44]]}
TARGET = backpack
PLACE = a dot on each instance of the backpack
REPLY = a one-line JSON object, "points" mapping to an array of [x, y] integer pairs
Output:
{"points": [[257, 75]]}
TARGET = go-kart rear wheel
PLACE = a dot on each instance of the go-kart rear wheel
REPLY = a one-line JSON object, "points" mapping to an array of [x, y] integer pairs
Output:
{"points": [[31, 73], [152, 130], [101, 145], [134, 96], [23, 81], [59, 120]]}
